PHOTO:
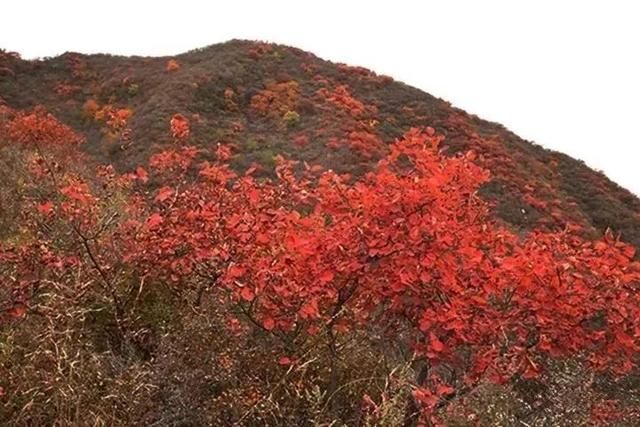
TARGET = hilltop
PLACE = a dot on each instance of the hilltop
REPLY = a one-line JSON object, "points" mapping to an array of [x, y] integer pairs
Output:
{"points": [[269, 99]]}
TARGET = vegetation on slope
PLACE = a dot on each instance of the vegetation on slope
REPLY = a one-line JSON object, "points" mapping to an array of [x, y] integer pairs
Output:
{"points": [[210, 279], [268, 99]]}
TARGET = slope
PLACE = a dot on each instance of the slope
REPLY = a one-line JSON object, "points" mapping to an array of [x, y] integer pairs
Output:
{"points": [[269, 99]]}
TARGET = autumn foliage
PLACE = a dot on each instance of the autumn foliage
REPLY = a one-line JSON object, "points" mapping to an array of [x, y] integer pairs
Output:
{"points": [[40, 128], [172, 66], [408, 250], [179, 127], [309, 245], [276, 98], [342, 98]]}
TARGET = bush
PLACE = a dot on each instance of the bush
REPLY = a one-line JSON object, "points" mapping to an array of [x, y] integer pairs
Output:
{"points": [[291, 119]]}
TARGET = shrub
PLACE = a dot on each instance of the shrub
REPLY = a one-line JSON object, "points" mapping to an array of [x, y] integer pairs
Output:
{"points": [[172, 66], [291, 119]]}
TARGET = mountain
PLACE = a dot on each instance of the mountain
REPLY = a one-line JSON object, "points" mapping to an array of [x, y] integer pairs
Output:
{"points": [[341, 116], [247, 234]]}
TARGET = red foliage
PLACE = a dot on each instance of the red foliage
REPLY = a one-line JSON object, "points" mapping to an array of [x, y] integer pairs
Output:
{"points": [[172, 65], [414, 238], [342, 98], [364, 74], [276, 98], [259, 49], [40, 128], [606, 412], [174, 161], [179, 127], [409, 246], [366, 143], [66, 89], [118, 118]]}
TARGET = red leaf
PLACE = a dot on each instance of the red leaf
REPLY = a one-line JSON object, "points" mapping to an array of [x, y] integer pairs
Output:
{"points": [[326, 277], [444, 389], [235, 271], [625, 339], [629, 251], [142, 174], [436, 344], [77, 191], [284, 361], [247, 294], [18, 310], [531, 371], [45, 208], [414, 233], [268, 323], [496, 377], [154, 220], [163, 194], [425, 323], [600, 245], [253, 195], [262, 238], [426, 397], [309, 310], [223, 152]]}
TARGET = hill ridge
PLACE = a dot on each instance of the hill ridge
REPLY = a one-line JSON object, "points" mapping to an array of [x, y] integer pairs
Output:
{"points": [[531, 185]]}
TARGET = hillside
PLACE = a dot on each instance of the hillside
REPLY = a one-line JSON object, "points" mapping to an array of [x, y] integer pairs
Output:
{"points": [[249, 235], [238, 93]]}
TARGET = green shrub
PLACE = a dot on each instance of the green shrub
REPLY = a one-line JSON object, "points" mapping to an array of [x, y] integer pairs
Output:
{"points": [[291, 118]]}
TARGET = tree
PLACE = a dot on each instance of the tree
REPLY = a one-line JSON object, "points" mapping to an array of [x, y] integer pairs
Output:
{"points": [[409, 245]]}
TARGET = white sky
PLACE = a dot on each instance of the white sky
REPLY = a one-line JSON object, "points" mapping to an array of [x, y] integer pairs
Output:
{"points": [[565, 74]]}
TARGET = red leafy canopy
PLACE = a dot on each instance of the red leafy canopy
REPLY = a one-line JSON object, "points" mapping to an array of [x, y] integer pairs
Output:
{"points": [[179, 127], [40, 128], [410, 246]]}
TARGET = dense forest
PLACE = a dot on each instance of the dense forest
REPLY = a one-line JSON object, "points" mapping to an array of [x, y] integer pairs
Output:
{"points": [[247, 234]]}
